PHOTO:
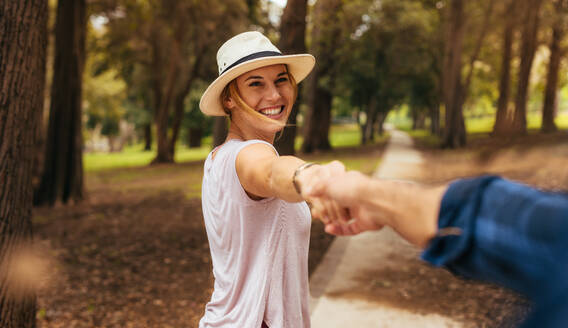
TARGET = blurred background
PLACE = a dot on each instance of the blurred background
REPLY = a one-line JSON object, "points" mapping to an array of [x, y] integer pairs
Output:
{"points": [[480, 86]]}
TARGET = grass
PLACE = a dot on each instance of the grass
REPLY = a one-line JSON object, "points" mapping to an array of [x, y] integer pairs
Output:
{"points": [[534, 122], [135, 156], [129, 172], [479, 126], [348, 135]]}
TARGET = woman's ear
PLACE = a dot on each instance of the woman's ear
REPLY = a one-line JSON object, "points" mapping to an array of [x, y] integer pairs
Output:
{"points": [[229, 103]]}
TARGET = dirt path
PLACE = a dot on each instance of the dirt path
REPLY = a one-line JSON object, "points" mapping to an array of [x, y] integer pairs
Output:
{"points": [[376, 279]]}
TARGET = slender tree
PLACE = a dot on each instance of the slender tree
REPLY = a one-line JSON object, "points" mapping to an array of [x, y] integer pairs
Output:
{"points": [[62, 177], [454, 133], [531, 10], [502, 124], [23, 48], [556, 53], [292, 40], [456, 89], [325, 38]]}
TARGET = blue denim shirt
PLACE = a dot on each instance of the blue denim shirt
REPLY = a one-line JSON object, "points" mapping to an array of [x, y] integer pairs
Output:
{"points": [[495, 230]]}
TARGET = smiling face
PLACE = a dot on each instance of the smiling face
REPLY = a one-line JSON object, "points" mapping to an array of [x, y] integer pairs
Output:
{"points": [[269, 92]]}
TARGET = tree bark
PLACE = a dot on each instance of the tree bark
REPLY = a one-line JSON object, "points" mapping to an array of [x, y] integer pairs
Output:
{"points": [[179, 101], [435, 119], [382, 116], [23, 51], [292, 41], [195, 135], [164, 154], [550, 93], [62, 178], [502, 122], [220, 130], [148, 137], [368, 130], [319, 119], [325, 36], [528, 48], [454, 133]]}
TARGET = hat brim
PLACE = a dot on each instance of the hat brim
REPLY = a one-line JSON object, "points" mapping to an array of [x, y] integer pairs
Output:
{"points": [[298, 65]]}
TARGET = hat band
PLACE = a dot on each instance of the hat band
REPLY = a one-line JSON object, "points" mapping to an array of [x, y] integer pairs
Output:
{"points": [[251, 57]]}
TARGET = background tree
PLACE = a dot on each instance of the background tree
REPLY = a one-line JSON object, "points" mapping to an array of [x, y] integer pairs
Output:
{"points": [[292, 41], [62, 177], [530, 14], [171, 45], [320, 84], [509, 14], [455, 86], [560, 15], [384, 59], [23, 40]]}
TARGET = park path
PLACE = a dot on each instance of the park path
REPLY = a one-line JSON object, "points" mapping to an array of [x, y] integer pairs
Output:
{"points": [[347, 272]]}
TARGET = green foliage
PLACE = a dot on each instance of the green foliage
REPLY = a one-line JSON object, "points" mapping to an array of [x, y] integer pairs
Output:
{"points": [[193, 117], [104, 94], [388, 54]]}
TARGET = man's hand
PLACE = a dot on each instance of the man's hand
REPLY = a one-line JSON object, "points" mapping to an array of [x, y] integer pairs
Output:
{"points": [[323, 208], [348, 191]]}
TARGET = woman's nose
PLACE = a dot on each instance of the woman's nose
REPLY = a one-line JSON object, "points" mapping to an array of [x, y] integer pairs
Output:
{"points": [[272, 92]]}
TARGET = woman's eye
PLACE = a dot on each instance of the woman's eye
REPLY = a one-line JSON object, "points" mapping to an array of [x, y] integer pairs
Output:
{"points": [[255, 84], [282, 79]]}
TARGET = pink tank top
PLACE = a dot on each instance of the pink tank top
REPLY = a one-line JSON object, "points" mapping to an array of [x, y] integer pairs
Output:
{"points": [[259, 251]]}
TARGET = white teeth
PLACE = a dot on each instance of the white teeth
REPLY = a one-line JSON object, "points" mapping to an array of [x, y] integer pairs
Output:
{"points": [[272, 111]]}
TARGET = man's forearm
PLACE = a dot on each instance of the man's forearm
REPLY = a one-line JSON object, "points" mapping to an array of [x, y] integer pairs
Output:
{"points": [[410, 209]]}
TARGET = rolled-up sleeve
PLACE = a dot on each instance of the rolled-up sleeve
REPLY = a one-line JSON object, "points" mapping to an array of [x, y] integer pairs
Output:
{"points": [[503, 232]]}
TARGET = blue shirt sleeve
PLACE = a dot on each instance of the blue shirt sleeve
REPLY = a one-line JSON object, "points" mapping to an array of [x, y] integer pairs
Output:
{"points": [[511, 234], [505, 233]]}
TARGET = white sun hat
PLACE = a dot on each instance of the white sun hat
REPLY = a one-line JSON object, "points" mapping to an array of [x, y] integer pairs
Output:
{"points": [[245, 52]]}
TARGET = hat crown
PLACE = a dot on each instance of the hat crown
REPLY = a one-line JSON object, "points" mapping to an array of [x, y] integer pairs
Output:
{"points": [[241, 46]]}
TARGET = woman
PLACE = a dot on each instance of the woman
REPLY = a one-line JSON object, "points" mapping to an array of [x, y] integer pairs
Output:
{"points": [[257, 222]]}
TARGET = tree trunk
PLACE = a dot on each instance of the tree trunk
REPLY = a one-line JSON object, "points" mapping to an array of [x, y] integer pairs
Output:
{"points": [[219, 130], [23, 51], [435, 119], [502, 121], [550, 93], [179, 101], [62, 177], [368, 130], [454, 133], [528, 48], [166, 91], [292, 41], [381, 118], [195, 136], [148, 137], [319, 120], [325, 36]]}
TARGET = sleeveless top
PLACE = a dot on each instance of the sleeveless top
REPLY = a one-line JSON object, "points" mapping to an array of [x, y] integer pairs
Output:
{"points": [[259, 250]]}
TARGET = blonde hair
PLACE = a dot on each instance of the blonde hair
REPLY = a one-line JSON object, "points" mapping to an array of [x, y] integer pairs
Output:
{"points": [[232, 91]]}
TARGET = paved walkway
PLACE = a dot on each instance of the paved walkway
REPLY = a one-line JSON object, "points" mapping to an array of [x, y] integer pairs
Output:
{"points": [[339, 276]]}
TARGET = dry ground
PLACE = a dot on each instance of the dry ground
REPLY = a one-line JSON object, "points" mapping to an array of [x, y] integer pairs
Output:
{"points": [[136, 254], [538, 160], [404, 282]]}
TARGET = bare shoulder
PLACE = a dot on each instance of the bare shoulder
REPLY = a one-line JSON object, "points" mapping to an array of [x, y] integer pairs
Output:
{"points": [[255, 153], [253, 165]]}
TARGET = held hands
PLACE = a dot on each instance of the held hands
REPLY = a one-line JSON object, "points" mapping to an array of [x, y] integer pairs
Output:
{"points": [[410, 209], [309, 176], [349, 192]]}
